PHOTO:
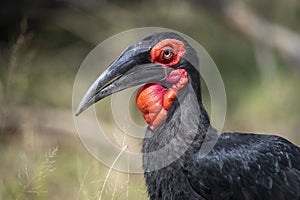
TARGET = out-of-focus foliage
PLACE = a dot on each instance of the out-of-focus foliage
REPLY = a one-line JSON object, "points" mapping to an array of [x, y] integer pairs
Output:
{"points": [[42, 44]]}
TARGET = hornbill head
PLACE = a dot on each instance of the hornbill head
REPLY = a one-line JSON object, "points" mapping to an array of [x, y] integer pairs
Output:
{"points": [[164, 62]]}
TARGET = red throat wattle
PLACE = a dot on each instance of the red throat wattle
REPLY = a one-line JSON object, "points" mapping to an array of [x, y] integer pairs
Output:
{"points": [[154, 101]]}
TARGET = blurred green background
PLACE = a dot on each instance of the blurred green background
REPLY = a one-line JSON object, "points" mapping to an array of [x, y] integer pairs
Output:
{"points": [[255, 44]]}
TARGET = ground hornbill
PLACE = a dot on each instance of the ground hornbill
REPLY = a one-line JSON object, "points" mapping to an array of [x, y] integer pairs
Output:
{"points": [[239, 165]]}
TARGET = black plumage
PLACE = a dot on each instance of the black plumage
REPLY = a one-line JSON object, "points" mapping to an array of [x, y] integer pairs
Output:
{"points": [[239, 166]]}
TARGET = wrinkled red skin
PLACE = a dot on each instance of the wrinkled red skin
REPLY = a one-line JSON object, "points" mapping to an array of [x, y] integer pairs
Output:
{"points": [[154, 101]]}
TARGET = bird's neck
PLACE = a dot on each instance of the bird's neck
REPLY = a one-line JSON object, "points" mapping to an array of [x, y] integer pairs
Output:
{"points": [[181, 134], [186, 121], [166, 149]]}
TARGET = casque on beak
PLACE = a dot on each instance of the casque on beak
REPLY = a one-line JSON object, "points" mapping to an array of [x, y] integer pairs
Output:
{"points": [[133, 67]]}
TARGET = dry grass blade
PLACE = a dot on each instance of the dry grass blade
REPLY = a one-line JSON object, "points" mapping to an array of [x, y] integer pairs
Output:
{"points": [[117, 177], [109, 171], [14, 53], [83, 180]]}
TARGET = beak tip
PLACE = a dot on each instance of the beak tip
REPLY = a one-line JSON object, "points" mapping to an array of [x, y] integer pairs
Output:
{"points": [[78, 111], [76, 114]]}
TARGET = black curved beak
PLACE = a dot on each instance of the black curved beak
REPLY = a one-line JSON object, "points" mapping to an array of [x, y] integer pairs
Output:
{"points": [[132, 68]]}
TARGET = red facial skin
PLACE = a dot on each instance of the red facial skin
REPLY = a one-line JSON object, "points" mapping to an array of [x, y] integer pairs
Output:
{"points": [[157, 52], [153, 100]]}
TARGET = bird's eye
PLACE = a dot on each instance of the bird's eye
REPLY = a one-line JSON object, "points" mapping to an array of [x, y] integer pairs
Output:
{"points": [[168, 54]]}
